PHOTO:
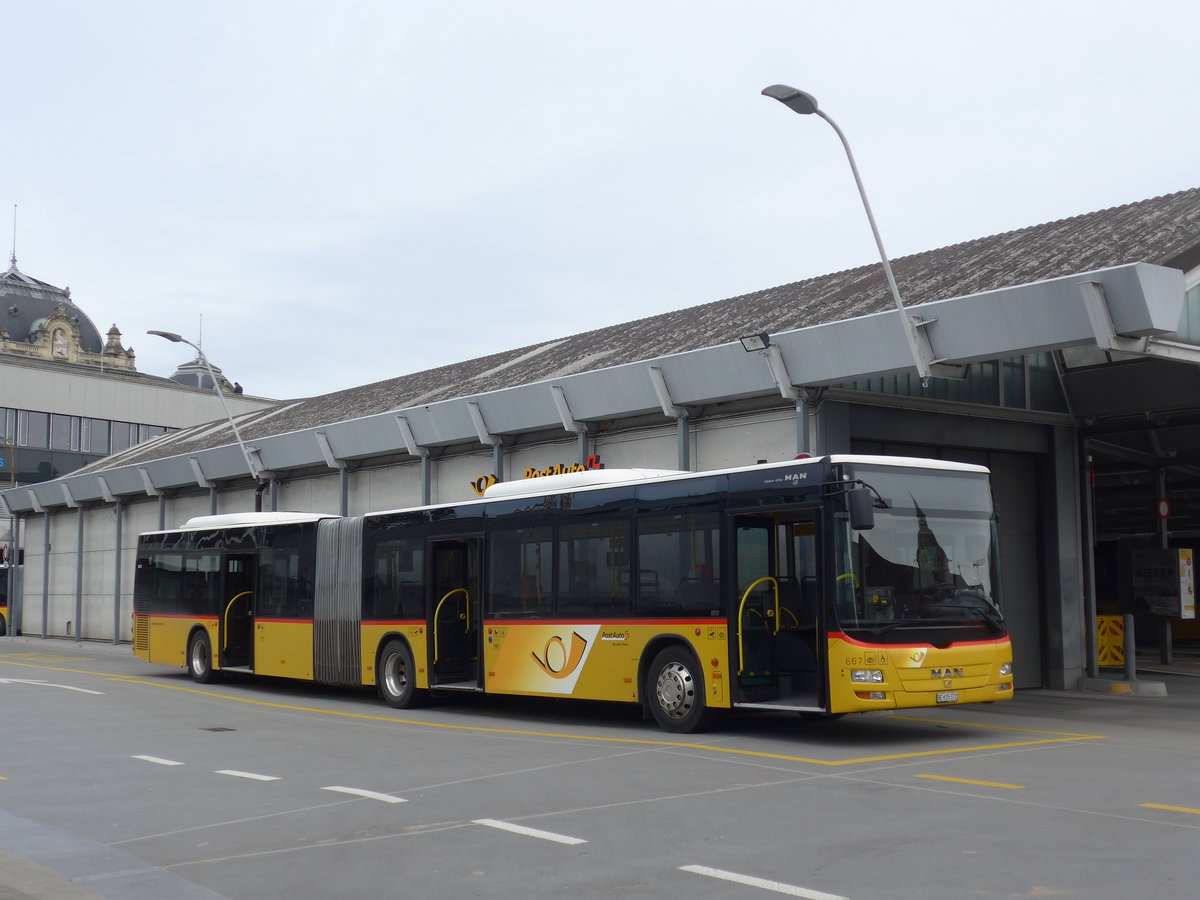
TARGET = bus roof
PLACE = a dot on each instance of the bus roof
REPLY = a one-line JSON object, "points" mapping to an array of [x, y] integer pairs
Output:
{"points": [[245, 519], [596, 478], [599, 478], [591, 479]]}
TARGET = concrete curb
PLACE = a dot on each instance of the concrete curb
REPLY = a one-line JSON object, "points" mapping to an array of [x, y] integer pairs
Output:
{"points": [[1136, 688]]}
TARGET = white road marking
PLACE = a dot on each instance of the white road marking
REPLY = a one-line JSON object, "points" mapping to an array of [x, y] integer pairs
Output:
{"points": [[251, 775], [65, 687], [530, 832], [778, 886], [158, 760], [370, 795]]}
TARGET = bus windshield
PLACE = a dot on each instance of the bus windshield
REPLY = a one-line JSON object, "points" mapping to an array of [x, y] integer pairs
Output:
{"points": [[930, 561]]}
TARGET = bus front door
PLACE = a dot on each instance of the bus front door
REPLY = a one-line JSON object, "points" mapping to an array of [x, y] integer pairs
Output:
{"points": [[777, 629], [454, 608], [237, 611]]}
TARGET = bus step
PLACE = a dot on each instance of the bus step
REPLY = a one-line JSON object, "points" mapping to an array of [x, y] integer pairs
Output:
{"points": [[458, 686]]}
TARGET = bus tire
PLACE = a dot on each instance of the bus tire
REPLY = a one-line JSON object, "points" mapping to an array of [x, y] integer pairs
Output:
{"points": [[3, 627], [398, 677], [675, 692], [199, 659]]}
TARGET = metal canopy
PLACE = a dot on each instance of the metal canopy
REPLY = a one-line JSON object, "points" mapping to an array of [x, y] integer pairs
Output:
{"points": [[1129, 303]]}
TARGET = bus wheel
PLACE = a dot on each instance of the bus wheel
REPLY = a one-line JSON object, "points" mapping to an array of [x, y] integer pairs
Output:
{"points": [[398, 677], [675, 692], [199, 659]]}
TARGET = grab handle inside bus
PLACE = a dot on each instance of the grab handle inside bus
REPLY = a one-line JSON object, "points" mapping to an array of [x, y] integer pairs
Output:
{"points": [[742, 610], [437, 609], [225, 618]]}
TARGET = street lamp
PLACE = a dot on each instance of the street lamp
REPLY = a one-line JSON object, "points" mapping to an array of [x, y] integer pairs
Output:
{"points": [[179, 339], [806, 104]]}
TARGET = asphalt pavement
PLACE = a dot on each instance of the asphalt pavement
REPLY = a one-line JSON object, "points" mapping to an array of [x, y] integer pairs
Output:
{"points": [[40, 862]]}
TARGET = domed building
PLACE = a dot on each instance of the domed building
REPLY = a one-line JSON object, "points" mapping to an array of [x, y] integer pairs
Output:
{"points": [[41, 321], [73, 394]]}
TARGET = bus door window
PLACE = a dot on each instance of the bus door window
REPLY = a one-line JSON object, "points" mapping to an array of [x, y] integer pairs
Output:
{"points": [[798, 640], [755, 600], [455, 609]]}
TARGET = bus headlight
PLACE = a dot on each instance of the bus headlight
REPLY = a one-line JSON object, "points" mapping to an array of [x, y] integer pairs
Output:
{"points": [[869, 676], [1006, 669]]}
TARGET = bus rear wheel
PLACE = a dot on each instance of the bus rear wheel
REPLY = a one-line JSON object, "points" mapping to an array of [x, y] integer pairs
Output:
{"points": [[199, 659], [398, 677], [675, 692]]}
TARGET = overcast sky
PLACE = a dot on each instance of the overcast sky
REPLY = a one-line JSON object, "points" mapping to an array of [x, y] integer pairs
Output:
{"points": [[350, 191]]}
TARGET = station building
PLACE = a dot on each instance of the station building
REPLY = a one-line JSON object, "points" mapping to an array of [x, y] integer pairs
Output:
{"points": [[1064, 357], [70, 396]]}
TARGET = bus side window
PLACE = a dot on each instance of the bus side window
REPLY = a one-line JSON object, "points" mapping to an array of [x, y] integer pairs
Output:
{"points": [[396, 587], [592, 560], [683, 553], [520, 572]]}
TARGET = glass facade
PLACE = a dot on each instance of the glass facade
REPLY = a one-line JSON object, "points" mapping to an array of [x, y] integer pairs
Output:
{"points": [[47, 445], [1189, 322], [1018, 382]]}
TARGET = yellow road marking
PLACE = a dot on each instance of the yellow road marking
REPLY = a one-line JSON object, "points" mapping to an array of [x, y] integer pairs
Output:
{"points": [[1052, 737], [995, 784], [1182, 809]]}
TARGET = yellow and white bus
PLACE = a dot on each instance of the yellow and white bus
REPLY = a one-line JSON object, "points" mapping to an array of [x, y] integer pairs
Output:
{"points": [[823, 586]]}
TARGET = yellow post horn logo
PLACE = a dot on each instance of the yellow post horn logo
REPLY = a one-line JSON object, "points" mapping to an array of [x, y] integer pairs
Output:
{"points": [[482, 483], [555, 661]]}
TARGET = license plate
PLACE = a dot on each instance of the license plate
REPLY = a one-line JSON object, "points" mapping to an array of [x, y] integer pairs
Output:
{"points": [[947, 697]]}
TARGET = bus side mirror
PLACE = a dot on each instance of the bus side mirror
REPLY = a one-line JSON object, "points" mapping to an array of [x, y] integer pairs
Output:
{"points": [[861, 503]]}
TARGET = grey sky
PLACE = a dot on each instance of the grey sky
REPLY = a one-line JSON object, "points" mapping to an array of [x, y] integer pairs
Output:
{"points": [[399, 185]]}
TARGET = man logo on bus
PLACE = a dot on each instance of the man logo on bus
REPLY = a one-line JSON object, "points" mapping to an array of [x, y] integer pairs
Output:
{"points": [[556, 661], [948, 673]]}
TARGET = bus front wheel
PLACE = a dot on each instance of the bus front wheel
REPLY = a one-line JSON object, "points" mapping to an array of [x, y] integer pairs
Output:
{"points": [[199, 659], [675, 692], [398, 677]]}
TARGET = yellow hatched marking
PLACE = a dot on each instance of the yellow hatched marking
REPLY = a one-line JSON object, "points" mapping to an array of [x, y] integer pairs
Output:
{"points": [[1182, 809], [995, 784], [1051, 737]]}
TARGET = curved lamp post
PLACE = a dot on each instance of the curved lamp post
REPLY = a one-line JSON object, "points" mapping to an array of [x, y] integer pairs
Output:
{"points": [[179, 339], [806, 104]]}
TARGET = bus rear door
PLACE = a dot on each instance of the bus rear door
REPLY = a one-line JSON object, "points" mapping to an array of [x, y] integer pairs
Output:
{"points": [[454, 613], [237, 611]]}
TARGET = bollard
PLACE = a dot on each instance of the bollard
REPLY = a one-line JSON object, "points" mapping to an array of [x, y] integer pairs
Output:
{"points": [[1130, 651]]}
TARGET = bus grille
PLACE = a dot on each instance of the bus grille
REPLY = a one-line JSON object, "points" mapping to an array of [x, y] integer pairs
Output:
{"points": [[141, 633]]}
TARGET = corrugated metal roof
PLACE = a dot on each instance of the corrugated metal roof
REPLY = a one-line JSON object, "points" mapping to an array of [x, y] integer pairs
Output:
{"points": [[1163, 230]]}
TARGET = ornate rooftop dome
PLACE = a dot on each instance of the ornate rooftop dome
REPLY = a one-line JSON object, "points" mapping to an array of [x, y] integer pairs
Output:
{"points": [[41, 321]]}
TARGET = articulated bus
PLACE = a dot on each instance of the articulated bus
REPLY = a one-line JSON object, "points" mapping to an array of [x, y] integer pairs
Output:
{"points": [[822, 586]]}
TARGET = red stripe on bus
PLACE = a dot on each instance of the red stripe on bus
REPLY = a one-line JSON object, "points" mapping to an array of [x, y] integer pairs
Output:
{"points": [[393, 622], [599, 620]]}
